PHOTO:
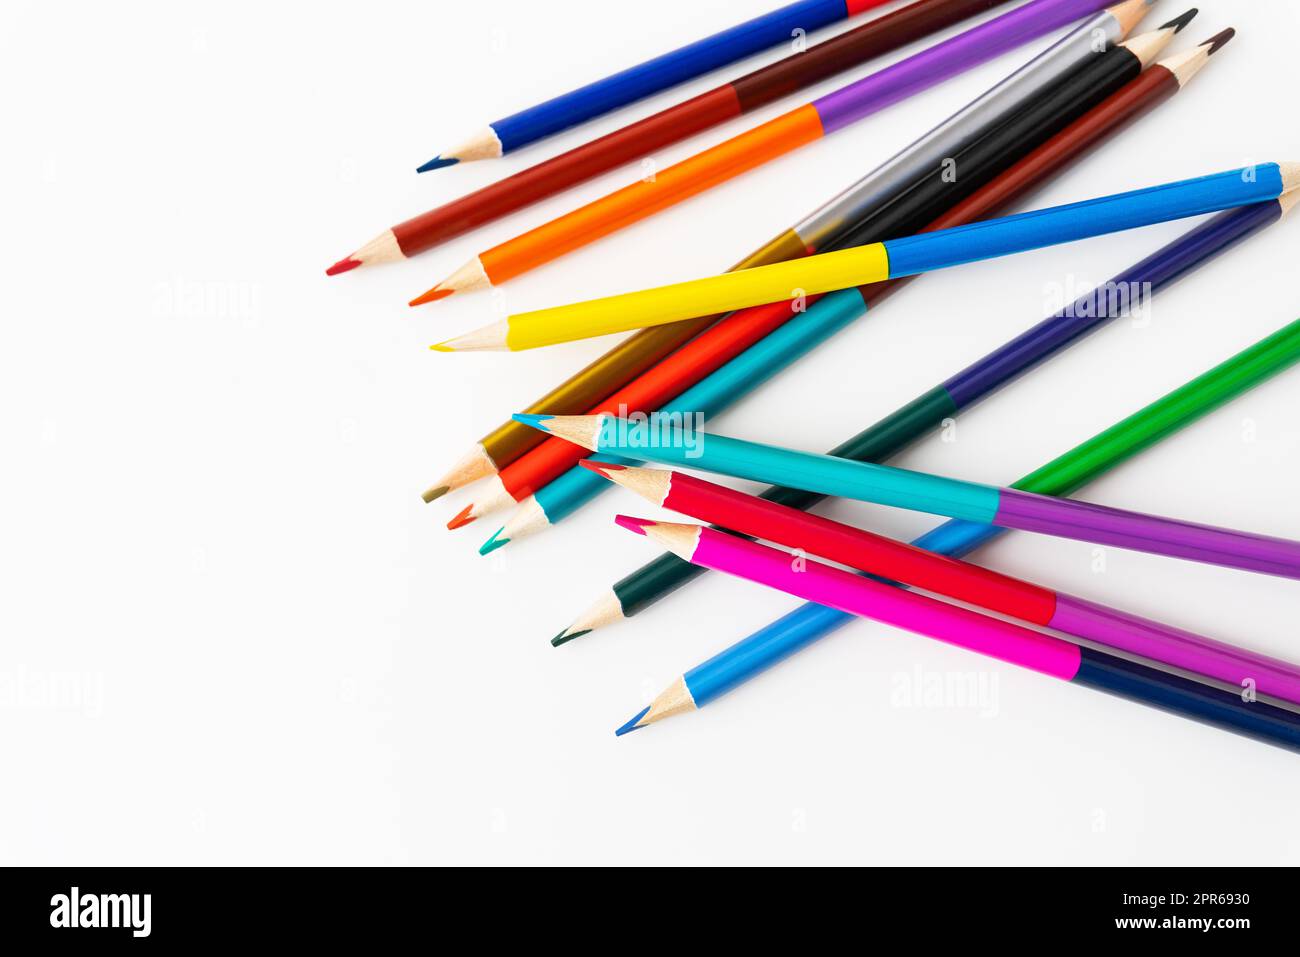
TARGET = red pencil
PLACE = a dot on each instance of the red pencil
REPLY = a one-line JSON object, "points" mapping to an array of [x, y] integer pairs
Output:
{"points": [[760, 518]]}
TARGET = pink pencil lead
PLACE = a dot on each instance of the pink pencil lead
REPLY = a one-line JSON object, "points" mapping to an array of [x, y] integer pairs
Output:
{"points": [[637, 525]]}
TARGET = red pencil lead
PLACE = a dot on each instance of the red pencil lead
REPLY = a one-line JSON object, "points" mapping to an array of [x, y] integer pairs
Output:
{"points": [[462, 518], [433, 295], [601, 468], [343, 265]]}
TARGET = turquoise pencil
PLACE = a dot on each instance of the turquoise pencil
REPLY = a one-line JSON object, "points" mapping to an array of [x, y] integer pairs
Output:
{"points": [[669, 440]]}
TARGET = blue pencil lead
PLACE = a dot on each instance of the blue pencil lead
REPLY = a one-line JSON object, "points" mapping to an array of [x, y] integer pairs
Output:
{"points": [[437, 162], [536, 421], [632, 725]]}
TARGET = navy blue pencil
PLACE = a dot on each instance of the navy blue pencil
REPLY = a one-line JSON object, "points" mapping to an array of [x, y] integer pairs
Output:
{"points": [[653, 76]]}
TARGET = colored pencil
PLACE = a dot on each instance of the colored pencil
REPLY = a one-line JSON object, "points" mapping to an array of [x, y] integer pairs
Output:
{"points": [[1063, 475], [641, 589], [646, 137], [1015, 644], [666, 442], [955, 579], [817, 231], [876, 262], [526, 480], [763, 143], [646, 79]]}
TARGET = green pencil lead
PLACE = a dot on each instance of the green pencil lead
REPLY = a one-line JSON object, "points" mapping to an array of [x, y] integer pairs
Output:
{"points": [[566, 636]]}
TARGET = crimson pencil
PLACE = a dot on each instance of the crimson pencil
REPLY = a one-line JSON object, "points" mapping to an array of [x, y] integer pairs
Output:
{"points": [[645, 137]]}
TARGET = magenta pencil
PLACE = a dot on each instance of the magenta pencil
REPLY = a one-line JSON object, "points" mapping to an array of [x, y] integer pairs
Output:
{"points": [[856, 595]]}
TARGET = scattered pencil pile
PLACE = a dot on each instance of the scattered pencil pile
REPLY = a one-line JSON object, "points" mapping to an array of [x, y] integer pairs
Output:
{"points": [[698, 347]]}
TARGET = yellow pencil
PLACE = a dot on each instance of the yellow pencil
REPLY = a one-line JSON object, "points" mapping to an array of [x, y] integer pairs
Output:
{"points": [[684, 300], [877, 262]]}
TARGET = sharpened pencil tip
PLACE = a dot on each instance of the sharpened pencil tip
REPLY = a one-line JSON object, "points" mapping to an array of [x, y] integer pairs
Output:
{"points": [[493, 543], [1216, 42], [438, 162], [632, 725], [441, 347], [535, 421], [433, 494], [566, 636], [1177, 23], [431, 295], [461, 519], [343, 265], [632, 524], [601, 468]]}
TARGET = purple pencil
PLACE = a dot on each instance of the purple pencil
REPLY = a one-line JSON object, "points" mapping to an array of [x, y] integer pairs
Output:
{"points": [[886, 87], [775, 138]]}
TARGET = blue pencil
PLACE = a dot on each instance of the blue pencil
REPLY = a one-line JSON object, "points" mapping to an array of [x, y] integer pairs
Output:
{"points": [[653, 76]]}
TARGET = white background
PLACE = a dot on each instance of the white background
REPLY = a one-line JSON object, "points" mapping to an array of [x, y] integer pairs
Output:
{"points": [[232, 632]]}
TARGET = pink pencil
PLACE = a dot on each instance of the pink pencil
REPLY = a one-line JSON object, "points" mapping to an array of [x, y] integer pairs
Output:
{"points": [[856, 595]]}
